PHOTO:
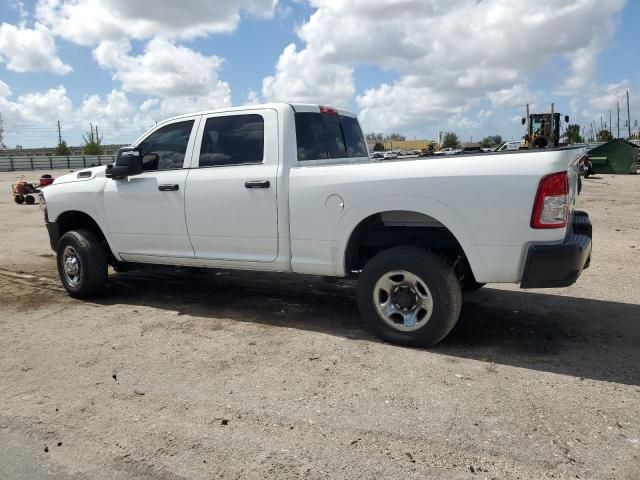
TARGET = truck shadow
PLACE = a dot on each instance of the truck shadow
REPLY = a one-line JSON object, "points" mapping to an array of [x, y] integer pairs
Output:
{"points": [[579, 337]]}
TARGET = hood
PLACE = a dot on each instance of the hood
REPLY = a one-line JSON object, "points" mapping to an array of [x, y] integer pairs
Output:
{"points": [[81, 175]]}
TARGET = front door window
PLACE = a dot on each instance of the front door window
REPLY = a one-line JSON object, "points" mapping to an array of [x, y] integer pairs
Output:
{"points": [[165, 148]]}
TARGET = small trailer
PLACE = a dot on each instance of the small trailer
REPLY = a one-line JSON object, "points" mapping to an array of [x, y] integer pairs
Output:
{"points": [[24, 192]]}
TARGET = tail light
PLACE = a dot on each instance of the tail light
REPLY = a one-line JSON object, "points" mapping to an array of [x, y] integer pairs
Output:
{"points": [[551, 208]]}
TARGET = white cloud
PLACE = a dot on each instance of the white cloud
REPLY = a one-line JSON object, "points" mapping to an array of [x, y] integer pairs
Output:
{"points": [[463, 123], [517, 95], [185, 80], [30, 49], [600, 104], [164, 69], [5, 91], [449, 55], [35, 115], [606, 97], [252, 98], [302, 76], [114, 110], [406, 103], [43, 107], [90, 21]]}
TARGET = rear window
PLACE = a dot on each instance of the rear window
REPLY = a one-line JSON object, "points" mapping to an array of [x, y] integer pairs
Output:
{"points": [[322, 136]]}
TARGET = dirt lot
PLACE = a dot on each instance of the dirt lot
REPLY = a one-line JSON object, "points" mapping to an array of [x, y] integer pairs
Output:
{"points": [[235, 375]]}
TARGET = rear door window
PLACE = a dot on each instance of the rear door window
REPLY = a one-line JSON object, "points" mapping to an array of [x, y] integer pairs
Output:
{"points": [[232, 140], [321, 136]]}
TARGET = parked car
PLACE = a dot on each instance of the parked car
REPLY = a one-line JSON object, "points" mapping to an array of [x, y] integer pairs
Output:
{"points": [[289, 188], [390, 155], [468, 150], [510, 145], [447, 151]]}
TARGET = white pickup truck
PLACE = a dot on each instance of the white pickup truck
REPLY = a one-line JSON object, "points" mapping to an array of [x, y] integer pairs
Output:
{"points": [[291, 188]]}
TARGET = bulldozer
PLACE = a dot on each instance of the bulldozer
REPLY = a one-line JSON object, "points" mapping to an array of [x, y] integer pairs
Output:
{"points": [[543, 129]]}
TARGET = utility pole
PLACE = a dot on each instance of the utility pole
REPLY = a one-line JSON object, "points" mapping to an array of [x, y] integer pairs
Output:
{"points": [[628, 114], [2, 146], [553, 127], [59, 134], [610, 123], [618, 104]]}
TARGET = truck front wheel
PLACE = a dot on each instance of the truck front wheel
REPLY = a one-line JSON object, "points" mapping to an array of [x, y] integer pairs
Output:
{"points": [[409, 296], [82, 263]]}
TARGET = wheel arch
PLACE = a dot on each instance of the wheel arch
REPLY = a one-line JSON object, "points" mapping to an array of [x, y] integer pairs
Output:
{"points": [[78, 219], [403, 213]]}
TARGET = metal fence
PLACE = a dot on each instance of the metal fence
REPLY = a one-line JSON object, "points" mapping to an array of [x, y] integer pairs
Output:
{"points": [[13, 164]]}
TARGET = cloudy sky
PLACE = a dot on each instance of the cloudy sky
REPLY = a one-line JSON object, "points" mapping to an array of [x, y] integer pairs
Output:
{"points": [[412, 66]]}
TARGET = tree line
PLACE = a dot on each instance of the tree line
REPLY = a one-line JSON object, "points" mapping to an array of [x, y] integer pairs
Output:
{"points": [[571, 135], [92, 143]]}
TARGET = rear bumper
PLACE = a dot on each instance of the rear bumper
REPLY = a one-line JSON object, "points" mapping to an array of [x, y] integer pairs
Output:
{"points": [[560, 265]]}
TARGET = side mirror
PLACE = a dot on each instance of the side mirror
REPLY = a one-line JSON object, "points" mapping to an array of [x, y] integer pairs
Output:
{"points": [[566, 119], [128, 162], [524, 120]]}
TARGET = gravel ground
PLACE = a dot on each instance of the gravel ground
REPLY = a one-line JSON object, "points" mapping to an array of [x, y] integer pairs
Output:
{"points": [[180, 374]]}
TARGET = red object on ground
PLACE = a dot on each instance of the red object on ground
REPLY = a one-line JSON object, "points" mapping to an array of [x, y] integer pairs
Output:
{"points": [[44, 181]]}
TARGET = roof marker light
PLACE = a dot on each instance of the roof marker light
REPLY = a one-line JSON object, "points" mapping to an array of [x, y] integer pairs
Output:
{"points": [[328, 110]]}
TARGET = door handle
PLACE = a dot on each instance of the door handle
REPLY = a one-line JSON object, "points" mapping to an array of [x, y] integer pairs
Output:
{"points": [[257, 184], [169, 188]]}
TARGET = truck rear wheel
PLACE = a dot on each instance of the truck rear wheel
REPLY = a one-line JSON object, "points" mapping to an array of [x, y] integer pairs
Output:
{"points": [[82, 263], [409, 296], [471, 285]]}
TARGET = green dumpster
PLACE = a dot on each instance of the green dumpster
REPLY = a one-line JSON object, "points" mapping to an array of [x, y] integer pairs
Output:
{"points": [[616, 156]]}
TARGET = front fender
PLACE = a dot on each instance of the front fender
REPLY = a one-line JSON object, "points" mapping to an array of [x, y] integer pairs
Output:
{"points": [[82, 197]]}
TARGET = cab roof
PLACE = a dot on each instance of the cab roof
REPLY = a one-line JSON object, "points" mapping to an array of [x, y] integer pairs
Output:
{"points": [[297, 107]]}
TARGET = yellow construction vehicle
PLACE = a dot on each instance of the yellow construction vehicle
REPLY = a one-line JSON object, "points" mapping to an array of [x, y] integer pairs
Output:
{"points": [[543, 129]]}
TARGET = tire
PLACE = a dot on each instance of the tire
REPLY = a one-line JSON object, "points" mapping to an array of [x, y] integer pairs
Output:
{"points": [[471, 286], [432, 304], [81, 248], [19, 199], [29, 200]]}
